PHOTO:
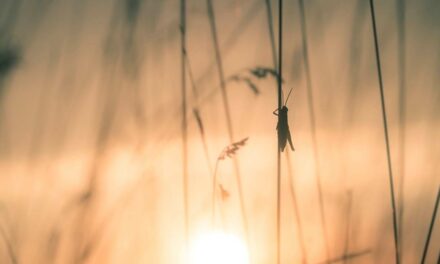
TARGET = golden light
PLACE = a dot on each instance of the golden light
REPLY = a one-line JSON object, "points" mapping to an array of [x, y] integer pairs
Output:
{"points": [[217, 247]]}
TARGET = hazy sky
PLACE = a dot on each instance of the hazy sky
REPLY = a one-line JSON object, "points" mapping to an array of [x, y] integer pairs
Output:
{"points": [[90, 91]]}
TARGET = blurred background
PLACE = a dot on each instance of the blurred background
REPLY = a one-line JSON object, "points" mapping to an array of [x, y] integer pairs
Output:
{"points": [[91, 140]]}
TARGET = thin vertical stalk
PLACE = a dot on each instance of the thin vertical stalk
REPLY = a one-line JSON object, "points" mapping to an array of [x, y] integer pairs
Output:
{"points": [[108, 117], [9, 246], [214, 187], [184, 122], [226, 107], [296, 209], [289, 167], [198, 118], [196, 113], [402, 112], [349, 256], [347, 228], [240, 26], [280, 104], [313, 124], [271, 33], [431, 227], [89, 199], [385, 128]]}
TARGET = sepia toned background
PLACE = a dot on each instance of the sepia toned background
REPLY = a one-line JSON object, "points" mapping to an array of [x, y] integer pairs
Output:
{"points": [[91, 142]]}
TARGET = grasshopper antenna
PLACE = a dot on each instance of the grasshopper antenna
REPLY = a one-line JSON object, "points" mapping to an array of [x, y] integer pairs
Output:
{"points": [[282, 95], [285, 103]]}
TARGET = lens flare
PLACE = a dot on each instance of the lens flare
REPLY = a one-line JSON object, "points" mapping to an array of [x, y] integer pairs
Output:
{"points": [[217, 247]]}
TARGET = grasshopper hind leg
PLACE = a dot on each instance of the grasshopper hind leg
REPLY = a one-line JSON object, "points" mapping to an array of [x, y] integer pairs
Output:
{"points": [[289, 138]]}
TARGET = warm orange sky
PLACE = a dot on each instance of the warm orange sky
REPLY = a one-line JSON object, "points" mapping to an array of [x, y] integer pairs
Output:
{"points": [[95, 94]]}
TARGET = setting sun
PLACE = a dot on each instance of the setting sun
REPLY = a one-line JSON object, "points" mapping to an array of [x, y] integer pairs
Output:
{"points": [[218, 247], [219, 131]]}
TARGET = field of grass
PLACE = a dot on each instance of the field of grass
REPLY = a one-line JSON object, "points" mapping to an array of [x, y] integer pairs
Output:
{"points": [[129, 127]]}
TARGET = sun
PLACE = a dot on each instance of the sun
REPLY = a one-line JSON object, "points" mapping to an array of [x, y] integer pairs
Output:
{"points": [[217, 247]]}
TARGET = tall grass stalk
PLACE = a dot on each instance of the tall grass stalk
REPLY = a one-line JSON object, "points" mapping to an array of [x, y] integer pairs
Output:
{"points": [[94, 173], [228, 152], [231, 40], [277, 68], [103, 227], [241, 25], [197, 114], [296, 209], [431, 227], [184, 122], [111, 91], [385, 128], [402, 112], [9, 247], [288, 161], [346, 257], [310, 102], [226, 107], [214, 188], [280, 104], [348, 225], [271, 33]]}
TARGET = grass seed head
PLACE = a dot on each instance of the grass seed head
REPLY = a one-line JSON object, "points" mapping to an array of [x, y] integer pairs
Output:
{"points": [[232, 149]]}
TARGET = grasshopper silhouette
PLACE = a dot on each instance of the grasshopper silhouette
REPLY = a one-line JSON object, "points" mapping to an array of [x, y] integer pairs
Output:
{"points": [[283, 126]]}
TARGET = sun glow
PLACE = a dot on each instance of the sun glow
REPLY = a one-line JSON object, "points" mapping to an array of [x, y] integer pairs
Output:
{"points": [[217, 247]]}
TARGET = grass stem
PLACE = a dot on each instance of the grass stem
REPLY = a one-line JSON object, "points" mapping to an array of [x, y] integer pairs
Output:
{"points": [[385, 127], [184, 120], [402, 113], [296, 209], [431, 227], [313, 124], [9, 246], [226, 107], [280, 103]]}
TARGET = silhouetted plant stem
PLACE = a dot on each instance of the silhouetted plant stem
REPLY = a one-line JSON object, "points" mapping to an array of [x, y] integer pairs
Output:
{"points": [[184, 122], [310, 102], [9, 247], [97, 237], [271, 33], [356, 46], [112, 91], [227, 112], [232, 39], [280, 104], [288, 161], [214, 187], [431, 227], [296, 208], [9, 59], [347, 229], [107, 120], [385, 127], [196, 113], [402, 112], [346, 257], [291, 185], [241, 25], [279, 96], [228, 152]]}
